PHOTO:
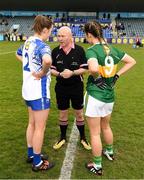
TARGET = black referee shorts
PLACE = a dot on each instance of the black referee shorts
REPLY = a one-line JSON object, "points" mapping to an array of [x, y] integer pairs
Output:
{"points": [[66, 95]]}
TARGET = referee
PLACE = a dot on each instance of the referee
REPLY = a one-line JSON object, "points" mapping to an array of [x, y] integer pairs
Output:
{"points": [[69, 63]]}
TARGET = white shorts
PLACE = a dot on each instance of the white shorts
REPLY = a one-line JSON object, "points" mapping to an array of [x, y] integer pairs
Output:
{"points": [[96, 108]]}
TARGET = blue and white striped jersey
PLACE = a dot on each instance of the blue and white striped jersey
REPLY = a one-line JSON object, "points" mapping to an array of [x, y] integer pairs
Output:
{"points": [[32, 53]]}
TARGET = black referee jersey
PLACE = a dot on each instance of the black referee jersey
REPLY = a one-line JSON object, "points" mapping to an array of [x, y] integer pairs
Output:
{"points": [[74, 60]]}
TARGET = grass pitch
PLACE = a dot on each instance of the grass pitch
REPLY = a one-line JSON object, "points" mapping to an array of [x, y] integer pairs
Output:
{"points": [[127, 124]]}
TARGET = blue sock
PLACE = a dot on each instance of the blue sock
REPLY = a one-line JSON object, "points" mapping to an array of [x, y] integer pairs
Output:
{"points": [[36, 159], [30, 151]]}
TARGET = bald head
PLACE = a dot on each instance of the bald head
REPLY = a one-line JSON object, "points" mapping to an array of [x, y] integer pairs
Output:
{"points": [[65, 30], [65, 36]]}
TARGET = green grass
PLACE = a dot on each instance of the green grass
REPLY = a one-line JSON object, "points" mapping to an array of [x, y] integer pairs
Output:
{"points": [[127, 123]]}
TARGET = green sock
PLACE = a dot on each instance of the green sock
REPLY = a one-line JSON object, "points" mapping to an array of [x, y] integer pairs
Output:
{"points": [[98, 161], [109, 148]]}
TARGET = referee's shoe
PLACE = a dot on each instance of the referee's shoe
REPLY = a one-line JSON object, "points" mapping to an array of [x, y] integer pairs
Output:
{"points": [[85, 144], [61, 142]]}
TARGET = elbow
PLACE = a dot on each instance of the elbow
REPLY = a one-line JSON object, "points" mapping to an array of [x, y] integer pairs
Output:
{"points": [[48, 62], [18, 57], [133, 62]]}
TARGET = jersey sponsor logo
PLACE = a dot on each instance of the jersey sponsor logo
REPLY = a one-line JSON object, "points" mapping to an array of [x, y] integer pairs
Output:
{"points": [[74, 63], [59, 62]]}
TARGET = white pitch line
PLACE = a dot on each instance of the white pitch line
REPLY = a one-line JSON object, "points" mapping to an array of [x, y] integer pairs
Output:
{"points": [[3, 53], [69, 155]]}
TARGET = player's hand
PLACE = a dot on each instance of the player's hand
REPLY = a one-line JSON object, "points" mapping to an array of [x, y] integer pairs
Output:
{"points": [[100, 82], [115, 78], [38, 75], [66, 73]]}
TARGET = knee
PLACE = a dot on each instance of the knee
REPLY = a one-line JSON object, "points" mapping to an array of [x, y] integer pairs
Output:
{"points": [[79, 116], [105, 127], [95, 131], [40, 128], [63, 116], [96, 134], [31, 124]]}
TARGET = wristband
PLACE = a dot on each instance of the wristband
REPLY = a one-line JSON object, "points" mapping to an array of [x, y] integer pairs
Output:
{"points": [[117, 76]]}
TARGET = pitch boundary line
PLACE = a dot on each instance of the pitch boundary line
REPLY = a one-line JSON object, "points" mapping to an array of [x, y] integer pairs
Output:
{"points": [[3, 53], [67, 166]]}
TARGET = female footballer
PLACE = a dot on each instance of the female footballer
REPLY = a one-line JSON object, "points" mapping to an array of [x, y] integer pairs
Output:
{"points": [[102, 62], [36, 58]]}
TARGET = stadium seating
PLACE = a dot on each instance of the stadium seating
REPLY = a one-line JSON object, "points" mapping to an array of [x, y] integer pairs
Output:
{"points": [[133, 26], [24, 22], [130, 26], [76, 24]]}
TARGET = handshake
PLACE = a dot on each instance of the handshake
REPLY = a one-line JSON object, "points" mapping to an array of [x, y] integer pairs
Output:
{"points": [[100, 82]]}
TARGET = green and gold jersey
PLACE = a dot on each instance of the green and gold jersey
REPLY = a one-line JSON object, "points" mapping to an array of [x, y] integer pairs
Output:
{"points": [[107, 69]]}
